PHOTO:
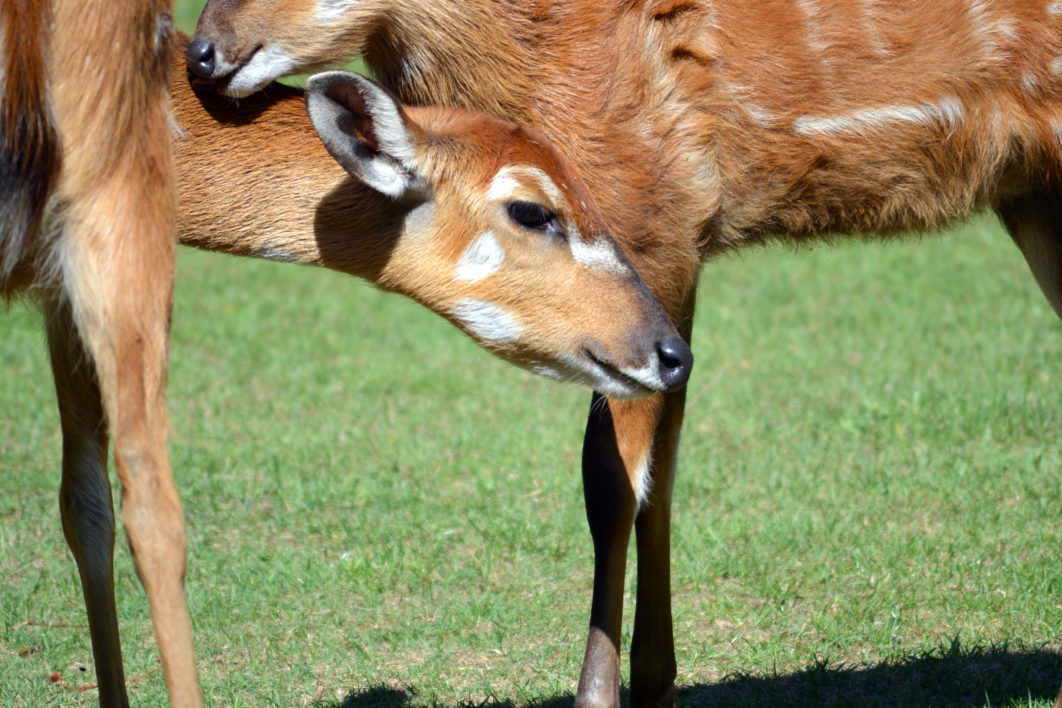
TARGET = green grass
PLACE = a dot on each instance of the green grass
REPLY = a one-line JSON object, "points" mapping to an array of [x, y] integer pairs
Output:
{"points": [[379, 513]]}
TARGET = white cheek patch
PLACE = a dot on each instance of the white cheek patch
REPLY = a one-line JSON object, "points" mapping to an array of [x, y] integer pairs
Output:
{"points": [[600, 255], [482, 258], [486, 320], [268, 63]]}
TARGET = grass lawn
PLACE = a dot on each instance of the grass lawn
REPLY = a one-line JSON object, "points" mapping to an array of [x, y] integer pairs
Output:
{"points": [[379, 513]]}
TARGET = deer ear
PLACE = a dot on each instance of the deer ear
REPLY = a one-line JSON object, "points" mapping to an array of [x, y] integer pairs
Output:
{"points": [[365, 129]]}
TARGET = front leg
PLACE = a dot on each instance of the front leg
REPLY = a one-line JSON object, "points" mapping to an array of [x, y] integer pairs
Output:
{"points": [[652, 645], [617, 451]]}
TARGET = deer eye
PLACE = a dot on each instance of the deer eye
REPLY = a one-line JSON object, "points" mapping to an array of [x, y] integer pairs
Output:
{"points": [[534, 217]]}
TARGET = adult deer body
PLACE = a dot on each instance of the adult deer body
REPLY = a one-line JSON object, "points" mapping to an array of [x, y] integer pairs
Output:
{"points": [[700, 127], [87, 226]]}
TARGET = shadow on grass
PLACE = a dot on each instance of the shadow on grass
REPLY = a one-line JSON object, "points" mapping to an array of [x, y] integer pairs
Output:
{"points": [[948, 678]]}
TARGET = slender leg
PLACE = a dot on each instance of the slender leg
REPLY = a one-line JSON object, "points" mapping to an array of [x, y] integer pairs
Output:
{"points": [[1035, 224], [121, 298], [653, 666], [629, 456], [85, 498], [611, 504], [652, 646]]}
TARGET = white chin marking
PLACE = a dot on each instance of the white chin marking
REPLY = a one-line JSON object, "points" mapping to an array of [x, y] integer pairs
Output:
{"points": [[486, 320], [267, 64], [483, 257], [577, 370]]}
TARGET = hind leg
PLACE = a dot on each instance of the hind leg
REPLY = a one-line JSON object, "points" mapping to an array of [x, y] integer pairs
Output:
{"points": [[1035, 224], [85, 497]]}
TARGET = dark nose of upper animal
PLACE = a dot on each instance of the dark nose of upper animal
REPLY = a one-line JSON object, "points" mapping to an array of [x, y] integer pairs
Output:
{"points": [[676, 362], [200, 58]]}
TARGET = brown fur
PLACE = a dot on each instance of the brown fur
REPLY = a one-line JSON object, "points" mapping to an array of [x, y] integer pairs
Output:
{"points": [[704, 126]]}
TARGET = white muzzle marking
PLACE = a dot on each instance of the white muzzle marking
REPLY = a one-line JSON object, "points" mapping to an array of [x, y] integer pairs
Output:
{"points": [[486, 320]]}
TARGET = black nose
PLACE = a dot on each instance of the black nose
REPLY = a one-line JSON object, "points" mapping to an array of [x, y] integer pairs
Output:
{"points": [[676, 362], [200, 58]]}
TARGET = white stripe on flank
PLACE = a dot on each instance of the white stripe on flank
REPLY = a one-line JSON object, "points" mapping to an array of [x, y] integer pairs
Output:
{"points": [[329, 11], [872, 30], [811, 9], [486, 320], [482, 258], [1054, 8], [948, 111]]}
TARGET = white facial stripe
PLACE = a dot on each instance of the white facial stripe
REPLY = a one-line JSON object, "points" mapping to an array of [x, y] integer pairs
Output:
{"points": [[948, 111], [1056, 66], [506, 183], [268, 63], [1054, 8], [481, 259], [546, 184], [486, 320], [502, 186]]}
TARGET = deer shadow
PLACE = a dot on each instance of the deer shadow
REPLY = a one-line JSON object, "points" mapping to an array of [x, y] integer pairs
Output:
{"points": [[947, 678]]}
